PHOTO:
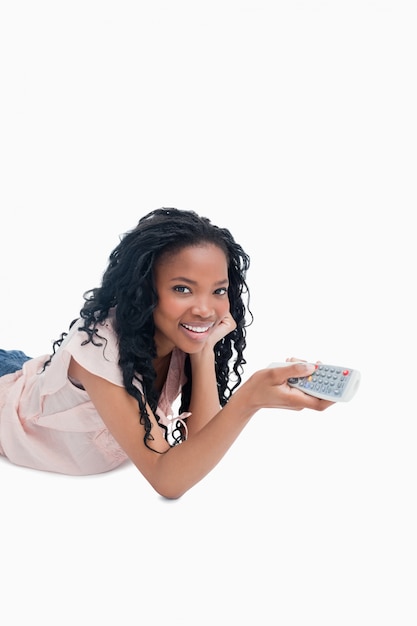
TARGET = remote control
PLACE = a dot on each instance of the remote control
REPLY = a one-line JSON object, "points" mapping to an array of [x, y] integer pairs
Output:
{"points": [[328, 382]]}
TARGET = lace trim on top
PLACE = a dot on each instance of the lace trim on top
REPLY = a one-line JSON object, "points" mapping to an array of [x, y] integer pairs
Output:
{"points": [[177, 430]]}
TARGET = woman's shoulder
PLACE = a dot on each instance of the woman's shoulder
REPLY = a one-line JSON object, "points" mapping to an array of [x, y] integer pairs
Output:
{"points": [[99, 355], [104, 336]]}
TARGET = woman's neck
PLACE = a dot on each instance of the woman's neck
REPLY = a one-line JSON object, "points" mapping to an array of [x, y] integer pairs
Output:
{"points": [[161, 366]]}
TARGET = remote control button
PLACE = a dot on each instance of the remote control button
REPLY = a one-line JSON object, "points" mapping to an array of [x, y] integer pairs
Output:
{"points": [[329, 382]]}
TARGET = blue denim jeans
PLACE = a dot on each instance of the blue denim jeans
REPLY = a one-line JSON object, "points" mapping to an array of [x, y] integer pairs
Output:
{"points": [[11, 361]]}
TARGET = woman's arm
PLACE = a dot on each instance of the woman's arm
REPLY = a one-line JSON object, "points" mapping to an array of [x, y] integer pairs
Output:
{"points": [[204, 403], [173, 471]]}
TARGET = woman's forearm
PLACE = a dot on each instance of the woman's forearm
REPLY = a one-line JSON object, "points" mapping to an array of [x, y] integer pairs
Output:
{"points": [[204, 402], [181, 467]]}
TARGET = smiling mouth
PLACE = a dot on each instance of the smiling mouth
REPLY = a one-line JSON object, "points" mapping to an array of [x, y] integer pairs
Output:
{"points": [[198, 329]]}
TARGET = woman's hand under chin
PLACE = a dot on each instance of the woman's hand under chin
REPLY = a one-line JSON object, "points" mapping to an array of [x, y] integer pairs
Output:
{"points": [[222, 328]]}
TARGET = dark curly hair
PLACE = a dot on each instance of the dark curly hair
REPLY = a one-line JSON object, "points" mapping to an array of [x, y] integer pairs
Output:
{"points": [[128, 286]]}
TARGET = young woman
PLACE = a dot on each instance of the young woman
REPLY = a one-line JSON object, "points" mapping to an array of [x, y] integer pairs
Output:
{"points": [[168, 320]]}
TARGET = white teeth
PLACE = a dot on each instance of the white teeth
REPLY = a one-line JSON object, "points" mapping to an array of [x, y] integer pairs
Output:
{"points": [[197, 329]]}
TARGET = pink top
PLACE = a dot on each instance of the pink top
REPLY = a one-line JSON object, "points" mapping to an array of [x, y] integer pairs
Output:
{"points": [[48, 423]]}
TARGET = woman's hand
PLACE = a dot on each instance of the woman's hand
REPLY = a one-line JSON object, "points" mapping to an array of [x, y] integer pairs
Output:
{"points": [[268, 388], [223, 328]]}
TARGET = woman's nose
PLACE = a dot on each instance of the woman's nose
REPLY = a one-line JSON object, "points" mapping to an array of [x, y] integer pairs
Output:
{"points": [[202, 308]]}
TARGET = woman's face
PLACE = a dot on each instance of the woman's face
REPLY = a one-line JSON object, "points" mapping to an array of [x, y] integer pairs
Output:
{"points": [[192, 297]]}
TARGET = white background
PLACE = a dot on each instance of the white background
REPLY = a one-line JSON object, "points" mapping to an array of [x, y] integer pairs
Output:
{"points": [[292, 123]]}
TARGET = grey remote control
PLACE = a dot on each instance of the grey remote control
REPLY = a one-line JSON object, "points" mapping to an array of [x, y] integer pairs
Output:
{"points": [[328, 382]]}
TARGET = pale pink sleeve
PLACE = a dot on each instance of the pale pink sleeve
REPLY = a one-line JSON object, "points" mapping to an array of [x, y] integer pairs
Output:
{"points": [[101, 360]]}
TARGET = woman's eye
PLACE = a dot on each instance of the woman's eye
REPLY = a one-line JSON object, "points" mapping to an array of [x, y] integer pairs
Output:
{"points": [[221, 292], [181, 289]]}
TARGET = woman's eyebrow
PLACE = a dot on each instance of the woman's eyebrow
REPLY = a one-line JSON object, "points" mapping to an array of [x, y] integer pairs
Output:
{"points": [[184, 279]]}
